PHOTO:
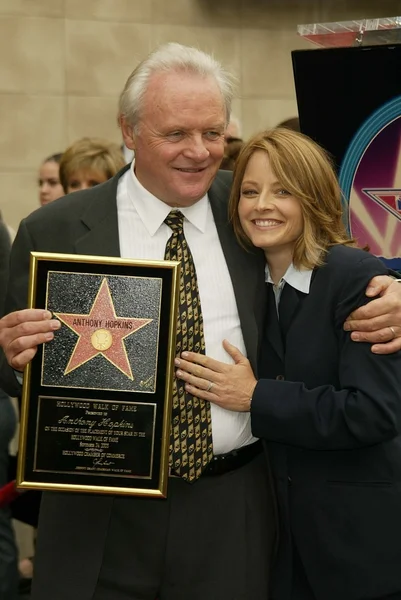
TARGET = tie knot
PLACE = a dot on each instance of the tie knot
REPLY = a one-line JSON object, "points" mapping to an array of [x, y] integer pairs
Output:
{"points": [[175, 220]]}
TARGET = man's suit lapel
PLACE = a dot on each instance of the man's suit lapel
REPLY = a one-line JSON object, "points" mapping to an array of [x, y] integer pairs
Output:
{"points": [[246, 270], [101, 221]]}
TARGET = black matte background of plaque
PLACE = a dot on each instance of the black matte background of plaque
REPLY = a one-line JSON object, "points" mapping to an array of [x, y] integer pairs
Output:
{"points": [[36, 390], [339, 88]]}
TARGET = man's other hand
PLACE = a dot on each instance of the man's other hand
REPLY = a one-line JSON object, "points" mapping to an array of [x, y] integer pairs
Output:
{"points": [[379, 322]]}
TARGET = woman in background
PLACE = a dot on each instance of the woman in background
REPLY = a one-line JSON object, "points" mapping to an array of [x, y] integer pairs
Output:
{"points": [[50, 187], [88, 162]]}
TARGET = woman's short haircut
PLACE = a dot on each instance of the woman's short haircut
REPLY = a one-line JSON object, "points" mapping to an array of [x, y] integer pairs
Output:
{"points": [[306, 172], [172, 57], [90, 154]]}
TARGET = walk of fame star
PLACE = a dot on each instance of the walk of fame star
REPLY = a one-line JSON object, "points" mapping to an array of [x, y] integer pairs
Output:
{"points": [[101, 332], [387, 198]]}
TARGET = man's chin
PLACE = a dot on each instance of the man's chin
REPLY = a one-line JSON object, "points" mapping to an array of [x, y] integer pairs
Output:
{"points": [[196, 192], [186, 197], [188, 191]]}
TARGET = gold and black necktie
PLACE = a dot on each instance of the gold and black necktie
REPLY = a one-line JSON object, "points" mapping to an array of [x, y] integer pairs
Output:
{"points": [[191, 447]]}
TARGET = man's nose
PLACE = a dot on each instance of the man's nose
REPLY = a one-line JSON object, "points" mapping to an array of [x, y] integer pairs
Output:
{"points": [[196, 149]]}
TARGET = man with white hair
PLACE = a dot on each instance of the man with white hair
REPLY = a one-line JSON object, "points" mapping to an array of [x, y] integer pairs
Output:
{"points": [[213, 537]]}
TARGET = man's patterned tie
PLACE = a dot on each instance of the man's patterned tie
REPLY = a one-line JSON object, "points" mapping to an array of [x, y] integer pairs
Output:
{"points": [[191, 447]]}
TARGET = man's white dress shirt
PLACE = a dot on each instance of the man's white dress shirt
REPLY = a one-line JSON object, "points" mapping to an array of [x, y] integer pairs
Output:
{"points": [[143, 235]]}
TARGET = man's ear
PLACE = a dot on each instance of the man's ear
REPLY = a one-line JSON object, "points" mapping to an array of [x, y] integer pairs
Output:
{"points": [[127, 132]]}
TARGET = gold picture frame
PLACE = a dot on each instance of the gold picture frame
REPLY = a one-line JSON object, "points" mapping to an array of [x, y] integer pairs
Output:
{"points": [[96, 400]]}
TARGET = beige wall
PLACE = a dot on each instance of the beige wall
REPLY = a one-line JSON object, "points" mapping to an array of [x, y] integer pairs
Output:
{"points": [[63, 63]]}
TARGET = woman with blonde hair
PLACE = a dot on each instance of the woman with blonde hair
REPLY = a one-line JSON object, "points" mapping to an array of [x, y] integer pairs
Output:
{"points": [[88, 162], [328, 408]]}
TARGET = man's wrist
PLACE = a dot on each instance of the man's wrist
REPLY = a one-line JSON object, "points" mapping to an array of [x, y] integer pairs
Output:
{"points": [[249, 403]]}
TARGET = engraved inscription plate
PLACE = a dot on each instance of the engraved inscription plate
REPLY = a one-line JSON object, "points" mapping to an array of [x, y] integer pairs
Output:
{"points": [[95, 437]]}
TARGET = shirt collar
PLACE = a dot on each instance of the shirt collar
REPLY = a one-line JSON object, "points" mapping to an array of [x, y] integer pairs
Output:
{"points": [[152, 211], [298, 279]]}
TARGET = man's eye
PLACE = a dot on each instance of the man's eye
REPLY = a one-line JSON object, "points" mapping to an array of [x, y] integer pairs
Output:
{"points": [[175, 135], [213, 135]]}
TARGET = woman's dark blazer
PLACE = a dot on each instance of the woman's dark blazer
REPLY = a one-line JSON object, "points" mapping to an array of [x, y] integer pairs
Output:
{"points": [[331, 412]]}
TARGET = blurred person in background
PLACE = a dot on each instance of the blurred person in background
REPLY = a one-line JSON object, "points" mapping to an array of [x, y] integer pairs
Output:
{"points": [[233, 130], [88, 162], [231, 153], [292, 123], [8, 551], [10, 231], [50, 187], [232, 143]]}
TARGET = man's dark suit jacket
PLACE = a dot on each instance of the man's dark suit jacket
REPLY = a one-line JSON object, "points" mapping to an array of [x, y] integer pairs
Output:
{"points": [[333, 420], [86, 223], [5, 246]]}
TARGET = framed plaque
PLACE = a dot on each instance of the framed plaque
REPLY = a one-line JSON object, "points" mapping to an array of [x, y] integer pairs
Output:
{"points": [[96, 400]]}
